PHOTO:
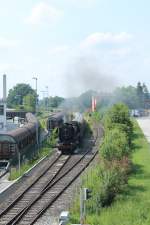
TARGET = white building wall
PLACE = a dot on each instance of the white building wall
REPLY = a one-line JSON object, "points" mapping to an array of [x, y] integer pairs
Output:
{"points": [[2, 116]]}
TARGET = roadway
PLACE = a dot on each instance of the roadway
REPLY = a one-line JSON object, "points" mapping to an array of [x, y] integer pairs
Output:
{"points": [[144, 123]]}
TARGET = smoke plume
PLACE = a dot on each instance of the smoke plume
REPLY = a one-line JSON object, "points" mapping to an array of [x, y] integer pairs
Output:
{"points": [[85, 74]]}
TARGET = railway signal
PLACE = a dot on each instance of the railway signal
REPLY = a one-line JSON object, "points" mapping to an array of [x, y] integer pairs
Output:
{"points": [[87, 193]]}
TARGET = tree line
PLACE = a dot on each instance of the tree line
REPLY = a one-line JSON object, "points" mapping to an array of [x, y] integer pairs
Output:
{"points": [[23, 97], [134, 97]]}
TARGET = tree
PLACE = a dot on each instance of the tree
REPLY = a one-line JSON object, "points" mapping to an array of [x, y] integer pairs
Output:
{"points": [[16, 95], [118, 116], [55, 101], [119, 113], [115, 145], [140, 94], [51, 102], [146, 96], [127, 95], [29, 102]]}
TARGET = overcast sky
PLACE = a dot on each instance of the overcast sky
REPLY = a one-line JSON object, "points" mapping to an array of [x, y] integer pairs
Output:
{"points": [[53, 39]]}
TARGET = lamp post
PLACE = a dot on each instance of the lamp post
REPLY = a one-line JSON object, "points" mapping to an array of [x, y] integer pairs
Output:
{"points": [[44, 100], [37, 135], [35, 78], [47, 98]]}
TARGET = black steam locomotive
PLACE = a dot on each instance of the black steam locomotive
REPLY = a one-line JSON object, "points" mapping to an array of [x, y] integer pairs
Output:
{"points": [[71, 134]]}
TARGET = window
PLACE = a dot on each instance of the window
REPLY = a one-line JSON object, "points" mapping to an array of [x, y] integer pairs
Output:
{"points": [[1, 109]]}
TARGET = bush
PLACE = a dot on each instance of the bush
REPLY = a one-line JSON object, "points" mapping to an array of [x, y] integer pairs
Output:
{"points": [[107, 181], [125, 129], [114, 146], [119, 113], [118, 116], [112, 180]]}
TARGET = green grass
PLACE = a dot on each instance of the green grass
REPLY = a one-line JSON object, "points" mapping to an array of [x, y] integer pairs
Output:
{"points": [[43, 122], [24, 167], [132, 207]]}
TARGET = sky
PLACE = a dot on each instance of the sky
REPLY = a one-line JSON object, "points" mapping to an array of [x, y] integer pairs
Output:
{"points": [[74, 45]]}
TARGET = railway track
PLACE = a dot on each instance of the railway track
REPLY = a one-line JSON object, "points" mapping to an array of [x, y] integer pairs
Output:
{"points": [[47, 188]]}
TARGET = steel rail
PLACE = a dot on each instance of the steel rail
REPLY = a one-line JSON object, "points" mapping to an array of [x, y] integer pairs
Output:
{"points": [[30, 186], [61, 192]]}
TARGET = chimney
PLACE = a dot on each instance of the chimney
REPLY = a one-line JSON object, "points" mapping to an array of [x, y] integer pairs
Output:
{"points": [[4, 88]]}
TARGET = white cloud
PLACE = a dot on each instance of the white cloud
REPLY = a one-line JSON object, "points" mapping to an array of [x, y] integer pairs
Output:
{"points": [[147, 61], [44, 13], [7, 43], [83, 3], [121, 52], [109, 38], [62, 49], [7, 67]]}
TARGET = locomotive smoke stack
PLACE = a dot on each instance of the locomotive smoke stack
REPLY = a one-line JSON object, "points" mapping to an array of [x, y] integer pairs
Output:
{"points": [[4, 87]]}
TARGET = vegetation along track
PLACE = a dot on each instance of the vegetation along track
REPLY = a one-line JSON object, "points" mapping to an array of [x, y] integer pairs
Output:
{"points": [[31, 204]]}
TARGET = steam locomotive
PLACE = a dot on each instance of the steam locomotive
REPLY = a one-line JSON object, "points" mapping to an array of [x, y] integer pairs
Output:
{"points": [[71, 134]]}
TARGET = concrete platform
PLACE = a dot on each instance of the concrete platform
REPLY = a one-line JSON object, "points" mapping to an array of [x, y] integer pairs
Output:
{"points": [[5, 183]]}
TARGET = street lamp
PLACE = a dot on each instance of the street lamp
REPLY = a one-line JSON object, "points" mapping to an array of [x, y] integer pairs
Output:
{"points": [[44, 100], [37, 135], [47, 104], [35, 78]]}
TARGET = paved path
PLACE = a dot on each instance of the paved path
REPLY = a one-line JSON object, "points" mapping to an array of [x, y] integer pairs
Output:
{"points": [[144, 123]]}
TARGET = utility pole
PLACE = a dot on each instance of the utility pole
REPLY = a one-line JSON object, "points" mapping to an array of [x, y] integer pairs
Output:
{"points": [[35, 78], [36, 103], [44, 100], [47, 98]]}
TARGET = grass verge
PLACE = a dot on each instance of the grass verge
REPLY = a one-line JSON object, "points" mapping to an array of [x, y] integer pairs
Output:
{"points": [[25, 167]]}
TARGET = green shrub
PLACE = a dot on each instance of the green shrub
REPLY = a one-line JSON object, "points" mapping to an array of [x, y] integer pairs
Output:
{"points": [[106, 182], [119, 113], [112, 180], [125, 129], [114, 146], [118, 116]]}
